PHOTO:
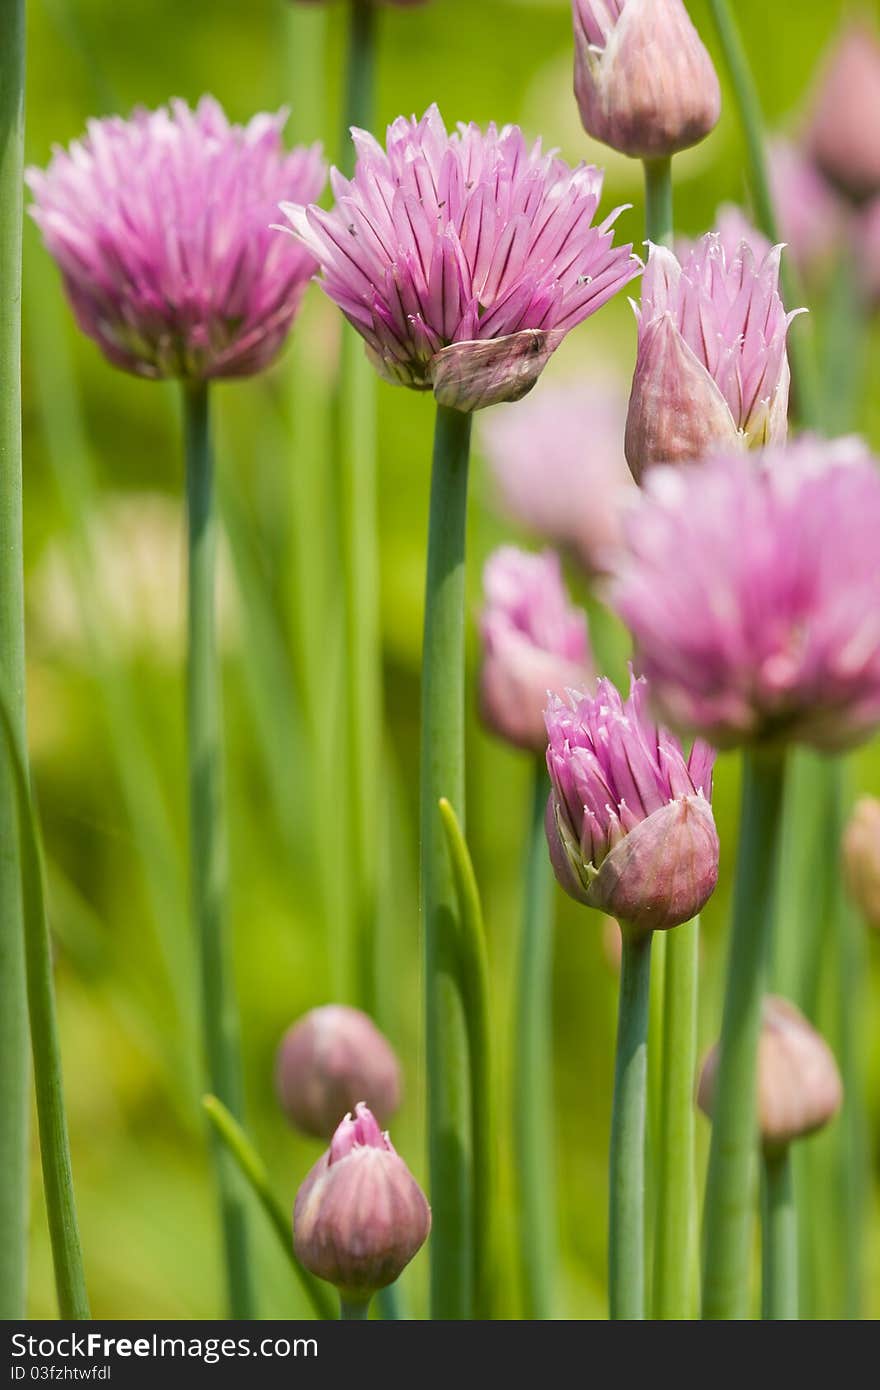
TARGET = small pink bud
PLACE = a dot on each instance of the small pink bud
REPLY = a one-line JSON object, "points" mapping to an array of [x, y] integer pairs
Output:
{"points": [[861, 858], [643, 80], [328, 1061], [844, 134], [799, 1086], [534, 641], [360, 1216]]}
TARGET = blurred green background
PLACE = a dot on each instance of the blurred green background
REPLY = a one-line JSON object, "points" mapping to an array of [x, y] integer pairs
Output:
{"points": [[104, 545]]}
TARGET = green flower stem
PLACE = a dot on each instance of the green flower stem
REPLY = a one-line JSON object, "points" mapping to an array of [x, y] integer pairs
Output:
{"points": [[658, 201], [474, 975], [674, 1241], [533, 1069], [253, 1170], [208, 853], [779, 1244], [728, 1207], [70, 1284], [360, 77], [442, 775], [800, 344], [13, 998], [626, 1223], [353, 1312]]}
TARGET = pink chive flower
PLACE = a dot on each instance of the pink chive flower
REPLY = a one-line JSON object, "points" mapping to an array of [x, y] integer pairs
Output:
{"points": [[712, 366], [360, 1216], [812, 218], [752, 589], [160, 226], [327, 1061], [534, 641], [463, 260], [629, 820], [643, 80], [558, 466], [843, 139]]}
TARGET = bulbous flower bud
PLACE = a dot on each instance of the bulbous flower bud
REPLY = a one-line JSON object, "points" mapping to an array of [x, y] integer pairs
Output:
{"points": [[799, 1086], [861, 858], [360, 1216], [643, 80], [629, 822], [844, 135], [534, 641], [328, 1061]]}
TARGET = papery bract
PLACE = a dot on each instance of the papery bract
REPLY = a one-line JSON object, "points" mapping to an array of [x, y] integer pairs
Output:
{"points": [[712, 366], [752, 590], [463, 259], [559, 468], [534, 641], [643, 80], [629, 820], [161, 228]]}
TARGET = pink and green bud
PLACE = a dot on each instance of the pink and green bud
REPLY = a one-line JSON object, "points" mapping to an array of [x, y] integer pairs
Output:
{"points": [[644, 82], [799, 1086], [712, 365], [534, 642], [360, 1216], [861, 858], [329, 1060], [463, 259], [752, 590], [629, 820], [844, 135]]}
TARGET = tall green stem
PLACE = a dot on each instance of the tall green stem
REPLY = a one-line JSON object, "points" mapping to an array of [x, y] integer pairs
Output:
{"points": [[626, 1223], [728, 1209], [353, 1312], [208, 851], [13, 999], [658, 201], [674, 1241], [779, 1245], [533, 1071], [800, 346], [442, 775]]}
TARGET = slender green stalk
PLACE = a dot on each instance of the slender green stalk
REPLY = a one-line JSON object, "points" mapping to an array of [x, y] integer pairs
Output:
{"points": [[353, 1312], [70, 1284], [779, 1243], [533, 1070], [728, 1208], [208, 855], [442, 775], [674, 1241], [800, 345], [13, 1001], [626, 1217], [474, 968], [658, 201], [253, 1170]]}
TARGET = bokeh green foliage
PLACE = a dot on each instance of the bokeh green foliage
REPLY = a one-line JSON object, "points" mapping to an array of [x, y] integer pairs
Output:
{"points": [[106, 696]]}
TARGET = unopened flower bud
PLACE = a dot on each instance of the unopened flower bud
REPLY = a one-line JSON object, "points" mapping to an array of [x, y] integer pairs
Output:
{"points": [[534, 641], [360, 1216], [844, 134], [629, 821], [644, 83], [799, 1086], [861, 858], [329, 1060]]}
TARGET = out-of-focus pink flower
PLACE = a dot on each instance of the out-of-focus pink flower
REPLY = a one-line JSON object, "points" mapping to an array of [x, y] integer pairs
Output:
{"points": [[812, 219], [844, 134], [643, 80], [161, 228], [463, 260], [328, 1061], [752, 590], [360, 1216], [534, 641], [558, 465], [712, 366], [629, 820], [733, 229]]}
